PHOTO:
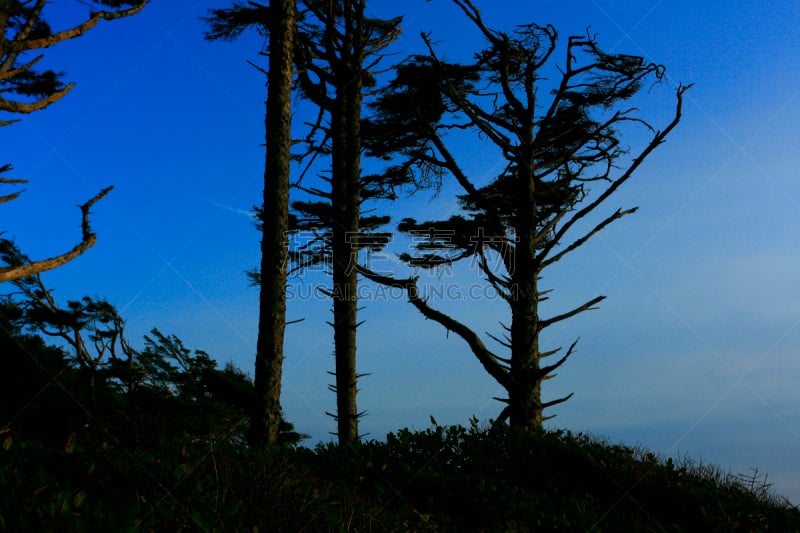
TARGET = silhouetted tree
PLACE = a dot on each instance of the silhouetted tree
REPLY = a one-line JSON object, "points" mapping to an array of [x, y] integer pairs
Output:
{"points": [[337, 59], [523, 221], [91, 327], [336, 47], [184, 391], [279, 21], [23, 89]]}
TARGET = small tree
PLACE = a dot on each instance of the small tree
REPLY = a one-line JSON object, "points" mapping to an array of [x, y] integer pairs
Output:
{"points": [[23, 89], [564, 160]]}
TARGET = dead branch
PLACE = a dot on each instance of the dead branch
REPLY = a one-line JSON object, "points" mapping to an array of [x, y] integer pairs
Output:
{"points": [[88, 239]]}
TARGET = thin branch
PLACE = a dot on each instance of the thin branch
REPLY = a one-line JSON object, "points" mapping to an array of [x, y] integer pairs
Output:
{"points": [[87, 241], [579, 242], [556, 402], [10, 73], [585, 307], [657, 140], [544, 371], [489, 360]]}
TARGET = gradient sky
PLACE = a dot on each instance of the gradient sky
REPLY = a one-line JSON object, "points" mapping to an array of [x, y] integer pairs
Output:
{"points": [[695, 352]]}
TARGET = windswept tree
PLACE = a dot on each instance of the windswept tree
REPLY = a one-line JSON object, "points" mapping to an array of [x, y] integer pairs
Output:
{"points": [[135, 396], [91, 327], [564, 159], [279, 21], [24, 32]]}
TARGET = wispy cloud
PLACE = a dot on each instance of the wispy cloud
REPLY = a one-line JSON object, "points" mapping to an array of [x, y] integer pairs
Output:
{"points": [[249, 213]]}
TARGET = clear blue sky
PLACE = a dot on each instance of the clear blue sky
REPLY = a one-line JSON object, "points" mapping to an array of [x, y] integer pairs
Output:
{"points": [[697, 348]]}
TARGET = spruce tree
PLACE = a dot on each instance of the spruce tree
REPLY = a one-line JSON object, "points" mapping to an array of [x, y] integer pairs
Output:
{"points": [[564, 159]]}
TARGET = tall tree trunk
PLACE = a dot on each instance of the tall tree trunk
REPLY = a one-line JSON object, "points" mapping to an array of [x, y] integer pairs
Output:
{"points": [[346, 196], [265, 417], [524, 390]]}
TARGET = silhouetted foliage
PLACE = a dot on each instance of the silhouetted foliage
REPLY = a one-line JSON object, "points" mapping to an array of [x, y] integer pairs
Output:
{"points": [[37, 384], [438, 479], [106, 386]]}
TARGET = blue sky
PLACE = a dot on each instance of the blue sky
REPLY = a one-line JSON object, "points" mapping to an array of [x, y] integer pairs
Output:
{"points": [[694, 352]]}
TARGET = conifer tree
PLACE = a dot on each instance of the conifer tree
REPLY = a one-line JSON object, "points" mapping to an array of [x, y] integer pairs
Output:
{"points": [[338, 58], [279, 21], [564, 159], [336, 47]]}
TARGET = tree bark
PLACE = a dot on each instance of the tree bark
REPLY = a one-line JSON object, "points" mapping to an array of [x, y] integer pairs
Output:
{"points": [[524, 385], [266, 413]]}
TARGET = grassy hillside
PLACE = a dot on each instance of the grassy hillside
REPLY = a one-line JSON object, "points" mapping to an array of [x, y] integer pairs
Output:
{"points": [[440, 479]]}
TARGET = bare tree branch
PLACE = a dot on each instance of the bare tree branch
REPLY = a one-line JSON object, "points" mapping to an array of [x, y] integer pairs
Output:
{"points": [[657, 140], [488, 359], [22, 108], [87, 241], [579, 242], [547, 370], [556, 402]]}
